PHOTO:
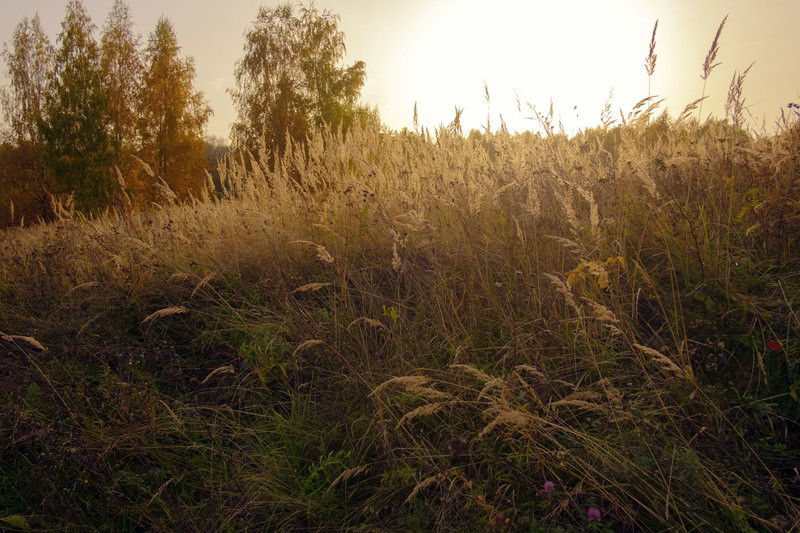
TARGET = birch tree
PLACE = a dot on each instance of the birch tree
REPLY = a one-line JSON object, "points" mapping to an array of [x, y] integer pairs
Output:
{"points": [[121, 67], [29, 64], [291, 78]]}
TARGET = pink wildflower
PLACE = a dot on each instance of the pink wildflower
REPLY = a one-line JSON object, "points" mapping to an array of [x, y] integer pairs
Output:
{"points": [[593, 514], [549, 486]]}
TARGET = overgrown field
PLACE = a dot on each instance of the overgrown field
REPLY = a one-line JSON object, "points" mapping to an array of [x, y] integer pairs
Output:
{"points": [[412, 332]]}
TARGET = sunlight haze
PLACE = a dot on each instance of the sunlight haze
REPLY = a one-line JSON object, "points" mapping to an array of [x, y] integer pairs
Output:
{"points": [[439, 54]]}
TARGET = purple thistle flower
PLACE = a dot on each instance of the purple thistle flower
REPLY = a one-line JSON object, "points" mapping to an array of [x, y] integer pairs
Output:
{"points": [[593, 514]]}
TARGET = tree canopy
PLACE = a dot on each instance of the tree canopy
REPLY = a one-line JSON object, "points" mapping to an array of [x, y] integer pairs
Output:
{"points": [[172, 116], [76, 116], [291, 78], [121, 66], [77, 150], [29, 63]]}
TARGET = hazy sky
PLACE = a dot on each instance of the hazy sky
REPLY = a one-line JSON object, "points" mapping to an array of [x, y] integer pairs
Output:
{"points": [[438, 53]]}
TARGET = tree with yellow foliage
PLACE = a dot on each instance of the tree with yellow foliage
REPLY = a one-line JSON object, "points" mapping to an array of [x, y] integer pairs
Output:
{"points": [[172, 116]]}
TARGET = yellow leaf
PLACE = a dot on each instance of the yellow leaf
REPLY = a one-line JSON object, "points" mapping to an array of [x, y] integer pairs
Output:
{"points": [[602, 280], [595, 267]]}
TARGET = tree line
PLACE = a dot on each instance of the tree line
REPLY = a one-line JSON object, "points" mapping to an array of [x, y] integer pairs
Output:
{"points": [[98, 124]]}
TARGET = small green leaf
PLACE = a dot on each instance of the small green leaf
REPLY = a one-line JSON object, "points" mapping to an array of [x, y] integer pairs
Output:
{"points": [[793, 390], [16, 521]]}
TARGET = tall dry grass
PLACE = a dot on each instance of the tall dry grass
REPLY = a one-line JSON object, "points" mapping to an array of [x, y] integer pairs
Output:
{"points": [[417, 330]]}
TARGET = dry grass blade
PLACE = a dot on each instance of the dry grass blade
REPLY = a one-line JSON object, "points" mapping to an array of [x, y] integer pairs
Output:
{"points": [[23, 343], [591, 406], [642, 112], [755, 229], [601, 312], [481, 375], [172, 414], [577, 250], [564, 291], [63, 208], [606, 118], [120, 179], [405, 381], [650, 62], [203, 282], [424, 484], [166, 191], [423, 410], [583, 395], [227, 369], [709, 63], [178, 277], [322, 252], [711, 56], [145, 166], [531, 370], [496, 194], [368, 321], [640, 105], [323, 255], [735, 103], [649, 110], [491, 385], [687, 111], [566, 384], [87, 285], [429, 393], [160, 490], [347, 474], [581, 399], [305, 345], [663, 360], [397, 262], [508, 418], [311, 287], [167, 311]]}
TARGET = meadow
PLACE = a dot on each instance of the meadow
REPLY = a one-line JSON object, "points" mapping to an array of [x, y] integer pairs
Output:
{"points": [[415, 331]]}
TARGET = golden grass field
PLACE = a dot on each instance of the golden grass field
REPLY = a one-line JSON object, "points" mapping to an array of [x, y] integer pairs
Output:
{"points": [[415, 331]]}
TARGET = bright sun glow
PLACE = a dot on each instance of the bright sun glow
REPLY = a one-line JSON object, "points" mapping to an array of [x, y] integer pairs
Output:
{"points": [[517, 49]]}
